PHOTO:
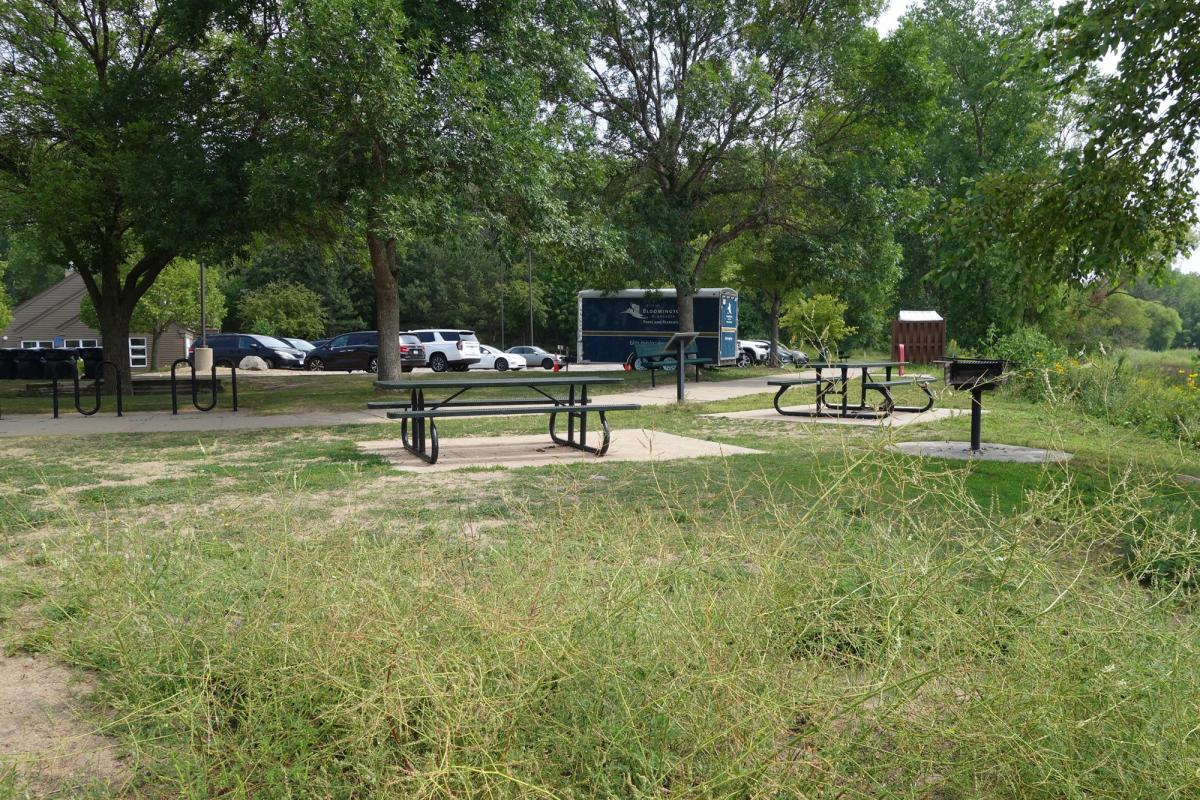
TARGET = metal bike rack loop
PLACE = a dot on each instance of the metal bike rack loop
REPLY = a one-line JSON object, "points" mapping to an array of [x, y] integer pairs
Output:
{"points": [[96, 383], [196, 388]]}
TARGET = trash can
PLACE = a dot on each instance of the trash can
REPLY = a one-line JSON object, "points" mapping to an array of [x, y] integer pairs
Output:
{"points": [[59, 363], [7, 365], [28, 364]]}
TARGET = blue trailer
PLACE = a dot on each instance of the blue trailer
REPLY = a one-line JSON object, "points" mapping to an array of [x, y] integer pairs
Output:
{"points": [[610, 323]]}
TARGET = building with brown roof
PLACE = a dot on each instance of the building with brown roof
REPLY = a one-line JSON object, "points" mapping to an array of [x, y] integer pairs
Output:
{"points": [[51, 319]]}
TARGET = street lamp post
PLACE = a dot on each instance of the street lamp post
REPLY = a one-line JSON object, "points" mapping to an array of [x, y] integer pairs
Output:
{"points": [[202, 356]]}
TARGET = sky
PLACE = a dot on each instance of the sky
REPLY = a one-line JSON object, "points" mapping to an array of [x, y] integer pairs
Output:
{"points": [[887, 23]]}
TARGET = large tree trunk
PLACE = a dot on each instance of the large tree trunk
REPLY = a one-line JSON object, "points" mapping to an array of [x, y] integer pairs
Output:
{"points": [[154, 337], [684, 296], [773, 314], [114, 338], [387, 304]]}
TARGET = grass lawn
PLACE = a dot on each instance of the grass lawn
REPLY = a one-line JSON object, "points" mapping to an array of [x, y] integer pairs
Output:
{"points": [[275, 614]]}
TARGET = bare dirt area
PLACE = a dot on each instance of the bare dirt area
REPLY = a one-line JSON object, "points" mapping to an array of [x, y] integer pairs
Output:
{"points": [[43, 735]]}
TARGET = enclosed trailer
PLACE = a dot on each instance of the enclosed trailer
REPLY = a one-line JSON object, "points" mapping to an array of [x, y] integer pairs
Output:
{"points": [[611, 323]]}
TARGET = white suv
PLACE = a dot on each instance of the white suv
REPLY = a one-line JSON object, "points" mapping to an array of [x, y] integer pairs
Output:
{"points": [[752, 351], [447, 348]]}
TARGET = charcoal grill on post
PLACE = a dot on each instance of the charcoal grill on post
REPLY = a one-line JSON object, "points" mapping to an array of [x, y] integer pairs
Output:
{"points": [[976, 375]]}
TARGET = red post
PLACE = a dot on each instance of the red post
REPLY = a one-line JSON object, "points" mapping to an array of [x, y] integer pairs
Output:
{"points": [[901, 359]]}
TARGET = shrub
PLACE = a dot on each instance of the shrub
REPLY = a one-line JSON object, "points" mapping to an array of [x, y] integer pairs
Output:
{"points": [[1025, 348], [1112, 389], [818, 321]]}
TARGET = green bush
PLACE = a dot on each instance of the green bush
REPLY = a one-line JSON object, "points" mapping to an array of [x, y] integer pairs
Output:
{"points": [[1161, 402], [1026, 348]]}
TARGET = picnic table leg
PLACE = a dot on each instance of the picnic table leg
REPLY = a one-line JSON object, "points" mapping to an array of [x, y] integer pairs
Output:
{"points": [[845, 391], [417, 445], [580, 443], [814, 413], [571, 417], [919, 409]]}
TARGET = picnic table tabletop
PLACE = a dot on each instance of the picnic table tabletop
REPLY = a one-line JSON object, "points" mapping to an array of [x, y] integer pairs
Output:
{"points": [[467, 383], [854, 364]]}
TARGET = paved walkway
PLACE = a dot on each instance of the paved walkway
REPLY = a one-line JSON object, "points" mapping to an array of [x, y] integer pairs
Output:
{"points": [[73, 424]]}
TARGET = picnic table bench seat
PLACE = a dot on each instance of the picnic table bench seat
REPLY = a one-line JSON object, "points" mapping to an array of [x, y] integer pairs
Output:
{"points": [[799, 381]]}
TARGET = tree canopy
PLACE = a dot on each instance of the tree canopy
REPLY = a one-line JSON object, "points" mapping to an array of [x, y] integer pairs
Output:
{"points": [[121, 133]]}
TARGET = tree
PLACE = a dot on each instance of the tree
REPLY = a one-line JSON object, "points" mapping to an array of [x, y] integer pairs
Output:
{"points": [[30, 268], [1113, 201], [396, 115], [122, 132], [1165, 325], [712, 112], [1145, 110], [1181, 292], [283, 308], [818, 322], [5, 308], [993, 118], [174, 299], [338, 272]]}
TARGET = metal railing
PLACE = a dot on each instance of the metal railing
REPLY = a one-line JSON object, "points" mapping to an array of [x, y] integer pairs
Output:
{"points": [[97, 383], [214, 387]]}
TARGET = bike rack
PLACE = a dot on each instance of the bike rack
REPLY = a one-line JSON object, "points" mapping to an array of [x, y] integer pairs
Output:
{"points": [[74, 365], [195, 386]]}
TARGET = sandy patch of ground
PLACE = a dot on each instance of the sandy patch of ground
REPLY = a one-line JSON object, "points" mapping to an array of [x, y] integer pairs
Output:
{"points": [[476, 532], [536, 450], [42, 734]]}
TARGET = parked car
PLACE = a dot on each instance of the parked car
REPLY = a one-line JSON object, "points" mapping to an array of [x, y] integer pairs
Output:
{"points": [[233, 347], [494, 358], [751, 351], [303, 345], [447, 348], [360, 350], [786, 355], [536, 355]]}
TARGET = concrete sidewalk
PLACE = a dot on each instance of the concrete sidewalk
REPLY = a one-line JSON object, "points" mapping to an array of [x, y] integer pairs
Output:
{"points": [[703, 392], [73, 424], [162, 422]]}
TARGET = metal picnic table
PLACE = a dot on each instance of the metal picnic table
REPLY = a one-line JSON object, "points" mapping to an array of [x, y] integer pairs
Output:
{"points": [[575, 405], [838, 386]]}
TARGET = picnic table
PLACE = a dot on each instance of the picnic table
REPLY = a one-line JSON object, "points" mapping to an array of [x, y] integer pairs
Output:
{"points": [[423, 412], [837, 386], [654, 357]]}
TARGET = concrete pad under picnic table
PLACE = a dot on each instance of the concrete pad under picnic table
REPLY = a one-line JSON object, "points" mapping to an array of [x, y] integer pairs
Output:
{"points": [[536, 450], [897, 420], [961, 451]]}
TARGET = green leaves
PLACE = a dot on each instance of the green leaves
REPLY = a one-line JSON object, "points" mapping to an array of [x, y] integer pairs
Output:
{"points": [[282, 308]]}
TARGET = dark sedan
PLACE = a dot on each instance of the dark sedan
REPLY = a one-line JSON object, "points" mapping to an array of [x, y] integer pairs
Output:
{"points": [[360, 350]]}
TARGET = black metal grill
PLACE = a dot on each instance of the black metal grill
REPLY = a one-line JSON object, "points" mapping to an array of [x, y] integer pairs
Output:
{"points": [[975, 373]]}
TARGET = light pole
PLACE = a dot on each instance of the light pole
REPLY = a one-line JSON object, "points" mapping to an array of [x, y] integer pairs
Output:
{"points": [[202, 359], [529, 254], [203, 321]]}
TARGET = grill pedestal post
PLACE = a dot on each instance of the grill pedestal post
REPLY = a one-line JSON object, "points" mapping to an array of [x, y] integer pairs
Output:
{"points": [[976, 417]]}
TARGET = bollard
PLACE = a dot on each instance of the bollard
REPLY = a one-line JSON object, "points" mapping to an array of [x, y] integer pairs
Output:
{"points": [[901, 359]]}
